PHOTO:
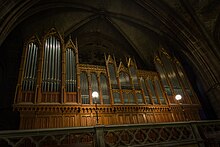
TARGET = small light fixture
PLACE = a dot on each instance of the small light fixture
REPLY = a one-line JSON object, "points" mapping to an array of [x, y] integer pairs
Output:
{"points": [[95, 94], [178, 97]]}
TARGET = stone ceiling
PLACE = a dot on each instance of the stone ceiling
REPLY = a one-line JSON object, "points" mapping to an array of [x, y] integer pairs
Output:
{"points": [[131, 28]]}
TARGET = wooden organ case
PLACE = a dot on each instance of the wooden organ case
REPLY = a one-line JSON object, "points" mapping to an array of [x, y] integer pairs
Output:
{"points": [[54, 90]]}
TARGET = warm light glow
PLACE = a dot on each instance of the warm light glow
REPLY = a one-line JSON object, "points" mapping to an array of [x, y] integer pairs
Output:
{"points": [[178, 97], [95, 94]]}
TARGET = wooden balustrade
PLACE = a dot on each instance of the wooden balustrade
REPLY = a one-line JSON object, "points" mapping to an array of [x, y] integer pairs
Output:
{"points": [[194, 133]]}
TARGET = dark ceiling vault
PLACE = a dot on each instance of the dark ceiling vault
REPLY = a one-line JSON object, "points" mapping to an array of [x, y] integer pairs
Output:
{"points": [[189, 29]]}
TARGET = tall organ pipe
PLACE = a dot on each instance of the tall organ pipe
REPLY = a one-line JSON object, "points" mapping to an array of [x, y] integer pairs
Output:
{"points": [[58, 65], [74, 71], [46, 48], [26, 69], [55, 67], [52, 64], [67, 70], [70, 77], [44, 67], [70, 70], [49, 65], [29, 68], [33, 66]]}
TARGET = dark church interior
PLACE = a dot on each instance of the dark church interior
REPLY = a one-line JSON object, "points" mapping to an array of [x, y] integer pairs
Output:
{"points": [[107, 73]]}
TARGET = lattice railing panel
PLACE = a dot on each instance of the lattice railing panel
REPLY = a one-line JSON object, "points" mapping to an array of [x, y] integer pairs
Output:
{"points": [[48, 139], [210, 133], [198, 133], [148, 135]]}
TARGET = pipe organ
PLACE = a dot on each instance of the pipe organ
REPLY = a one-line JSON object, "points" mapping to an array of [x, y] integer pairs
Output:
{"points": [[55, 90]]}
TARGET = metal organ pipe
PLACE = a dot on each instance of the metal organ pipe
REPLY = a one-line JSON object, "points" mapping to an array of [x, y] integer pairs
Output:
{"points": [[67, 70], [44, 66], [30, 68], [70, 70], [31, 78], [49, 64], [67, 58], [55, 67], [58, 65], [26, 69], [52, 62], [46, 50], [74, 71], [33, 66]]}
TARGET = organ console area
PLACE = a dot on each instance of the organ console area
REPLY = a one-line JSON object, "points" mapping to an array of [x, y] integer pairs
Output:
{"points": [[54, 90]]}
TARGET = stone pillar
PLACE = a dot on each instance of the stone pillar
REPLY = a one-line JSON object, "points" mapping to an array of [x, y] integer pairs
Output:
{"points": [[99, 131]]}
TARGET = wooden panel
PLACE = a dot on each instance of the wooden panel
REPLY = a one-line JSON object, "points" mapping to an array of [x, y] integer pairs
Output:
{"points": [[127, 119], [107, 120], [87, 120], [163, 117], [27, 122], [27, 96], [71, 97], [42, 122], [134, 118], [53, 122], [120, 119], [90, 121], [150, 117], [83, 120], [51, 97], [176, 117], [59, 117], [167, 117], [141, 118], [66, 121], [157, 117]]}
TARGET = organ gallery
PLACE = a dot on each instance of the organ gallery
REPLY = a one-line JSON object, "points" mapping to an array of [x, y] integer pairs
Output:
{"points": [[55, 90]]}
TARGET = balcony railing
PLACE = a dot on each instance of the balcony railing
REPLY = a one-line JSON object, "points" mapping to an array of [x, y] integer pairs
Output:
{"points": [[195, 133]]}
